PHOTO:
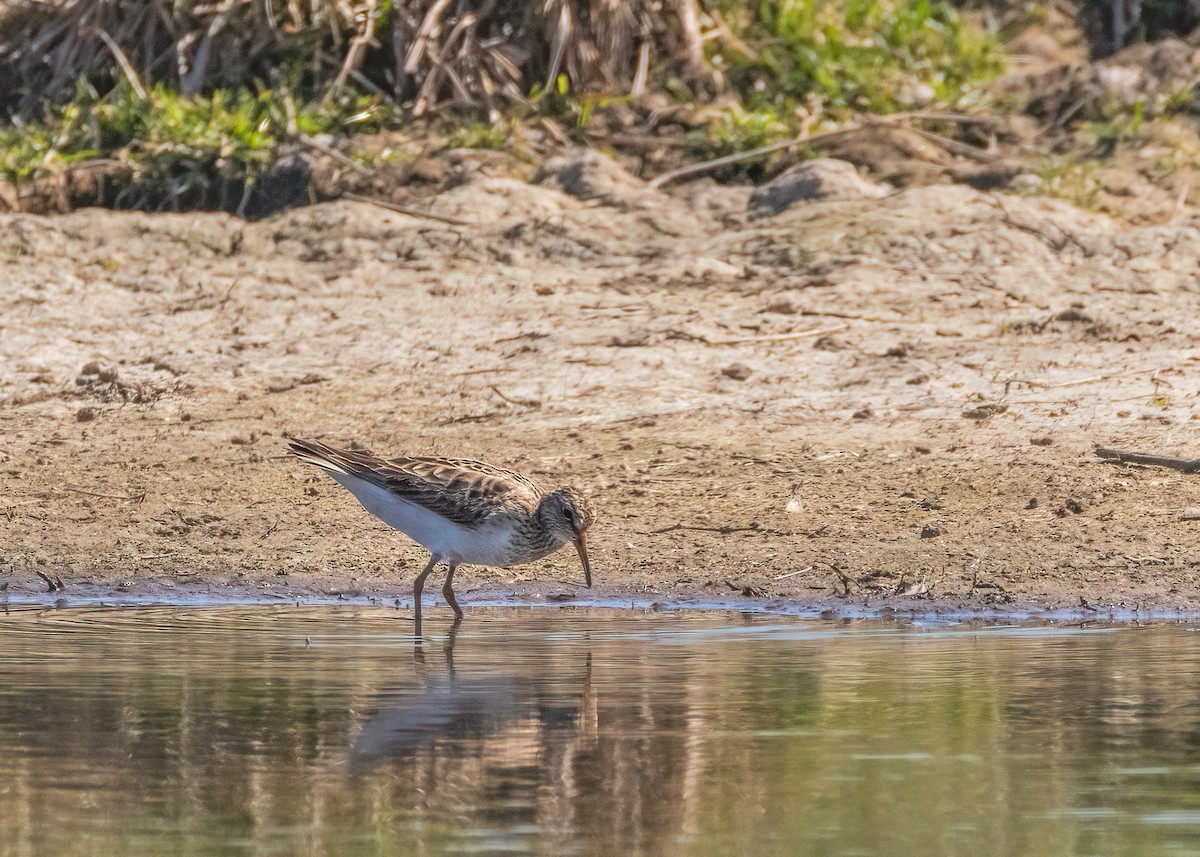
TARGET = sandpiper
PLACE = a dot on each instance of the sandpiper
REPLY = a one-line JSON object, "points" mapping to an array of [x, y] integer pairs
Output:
{"points": [[461, 511]]}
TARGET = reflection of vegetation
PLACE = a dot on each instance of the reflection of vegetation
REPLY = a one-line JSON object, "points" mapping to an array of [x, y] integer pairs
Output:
{"points": [[835, 740]]}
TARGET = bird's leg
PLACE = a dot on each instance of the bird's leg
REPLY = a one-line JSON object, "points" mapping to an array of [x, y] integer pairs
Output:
{"points": [[417, 587], [448, 592]]}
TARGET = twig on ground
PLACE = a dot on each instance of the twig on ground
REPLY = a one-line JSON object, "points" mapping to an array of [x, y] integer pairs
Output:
{"points": [[792, 573], [722, 530], [895, 120], [479, 371], [524, 403], [404, 209], [472, 418], [1117, 456], [340, 157], [776, 337], [959, 148], [1108, 377], [136, 498], [708, 166]]}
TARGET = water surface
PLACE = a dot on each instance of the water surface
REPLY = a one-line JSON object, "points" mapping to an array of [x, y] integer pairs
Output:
{"points": [[321, 731]]}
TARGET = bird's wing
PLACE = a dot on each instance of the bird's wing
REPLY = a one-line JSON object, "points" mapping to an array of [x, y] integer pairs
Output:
{"points": [[463, 491]]}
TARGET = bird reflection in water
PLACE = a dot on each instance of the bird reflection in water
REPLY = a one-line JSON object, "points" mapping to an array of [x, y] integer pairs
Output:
{"points": [[512, 723]]}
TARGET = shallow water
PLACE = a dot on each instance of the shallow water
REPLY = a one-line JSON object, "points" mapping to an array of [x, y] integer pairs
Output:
{"points": [[320, 731]]}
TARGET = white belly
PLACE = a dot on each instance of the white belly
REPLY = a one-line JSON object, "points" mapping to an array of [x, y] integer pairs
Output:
{"points": [[488, 545]]}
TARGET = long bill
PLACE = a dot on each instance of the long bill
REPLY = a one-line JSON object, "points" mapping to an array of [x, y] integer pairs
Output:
{"points": [[581, 547]]}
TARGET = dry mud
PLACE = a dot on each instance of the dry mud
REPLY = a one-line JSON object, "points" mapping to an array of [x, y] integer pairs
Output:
{"points": [[878, 401]]}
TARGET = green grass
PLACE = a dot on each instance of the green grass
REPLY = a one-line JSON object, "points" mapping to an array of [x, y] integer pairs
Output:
{"points": [[738, 129], [783, 62], [791, 60], [1070, 178], [861, 55], [1119, 125], [168, 137], [479, 135]]}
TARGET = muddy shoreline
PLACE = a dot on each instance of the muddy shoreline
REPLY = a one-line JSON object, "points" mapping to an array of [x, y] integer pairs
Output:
{"points": [[887, 400], [931, 612]]}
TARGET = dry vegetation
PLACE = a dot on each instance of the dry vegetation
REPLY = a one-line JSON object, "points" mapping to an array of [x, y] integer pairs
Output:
{"points": [[252, 107], [470, 52], [149, 104]]}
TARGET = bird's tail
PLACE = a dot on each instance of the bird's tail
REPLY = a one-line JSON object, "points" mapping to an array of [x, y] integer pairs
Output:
{"points": [[317, 454]]}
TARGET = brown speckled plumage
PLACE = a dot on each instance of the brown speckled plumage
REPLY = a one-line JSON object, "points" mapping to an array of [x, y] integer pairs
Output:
{"points": [[484, 515], [460, 490]]}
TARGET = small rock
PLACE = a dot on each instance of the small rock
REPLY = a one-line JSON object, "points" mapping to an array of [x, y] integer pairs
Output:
{"points": [[1027, 183], [782, 306], [587, 174], [429, 170], [634, 340], [984, 411], [918, 588], [1190, 514], [794, 506], [1071, 507], [96, 371], [1042, 441], [822, 179], [993, 176], [1074, 314], [85, 415], [929, 531], [737, 371], [862, 414]]}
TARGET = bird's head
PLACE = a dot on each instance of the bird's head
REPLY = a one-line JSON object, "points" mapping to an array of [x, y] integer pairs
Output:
{"points": [[566, 514]]}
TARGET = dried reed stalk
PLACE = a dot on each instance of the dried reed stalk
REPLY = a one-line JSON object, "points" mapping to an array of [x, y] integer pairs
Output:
{"points": [[426, 53]]}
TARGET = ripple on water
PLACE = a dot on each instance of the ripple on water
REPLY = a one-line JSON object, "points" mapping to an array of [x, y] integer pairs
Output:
{"points": [[322, 729]]}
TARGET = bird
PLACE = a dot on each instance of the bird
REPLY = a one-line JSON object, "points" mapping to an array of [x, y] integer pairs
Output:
{"points": [[461, 511]]}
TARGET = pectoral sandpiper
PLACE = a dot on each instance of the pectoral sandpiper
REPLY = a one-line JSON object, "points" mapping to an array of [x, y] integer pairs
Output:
{"points": [[462, 512]]}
